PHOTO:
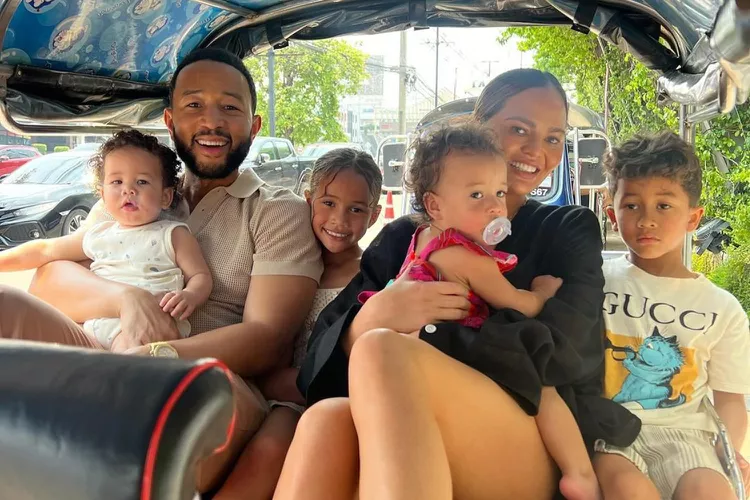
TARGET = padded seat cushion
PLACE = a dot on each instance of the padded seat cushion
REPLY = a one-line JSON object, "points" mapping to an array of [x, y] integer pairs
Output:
{"points": [[90, 425]]}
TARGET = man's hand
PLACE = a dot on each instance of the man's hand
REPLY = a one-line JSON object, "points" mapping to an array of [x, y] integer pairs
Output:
{"points": [[141, 350], [180, 304], [143, 321]]}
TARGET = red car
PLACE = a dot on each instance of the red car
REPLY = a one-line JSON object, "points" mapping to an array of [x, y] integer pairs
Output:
{"points": [[12, 157]]}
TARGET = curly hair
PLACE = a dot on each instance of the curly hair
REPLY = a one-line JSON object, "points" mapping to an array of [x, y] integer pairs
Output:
{"points": [[660, 155], [337, 160], [131, 138], [432, 147]]}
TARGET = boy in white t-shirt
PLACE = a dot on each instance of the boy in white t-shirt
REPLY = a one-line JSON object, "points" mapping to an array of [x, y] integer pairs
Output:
{"points": [[672, 336]]}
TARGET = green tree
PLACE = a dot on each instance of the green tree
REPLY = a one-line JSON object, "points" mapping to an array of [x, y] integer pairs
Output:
{"points": [[310, 79], [604, 78]]}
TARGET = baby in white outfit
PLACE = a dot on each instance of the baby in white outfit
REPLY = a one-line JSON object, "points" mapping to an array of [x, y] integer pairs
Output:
{"points": [[136, 177]]}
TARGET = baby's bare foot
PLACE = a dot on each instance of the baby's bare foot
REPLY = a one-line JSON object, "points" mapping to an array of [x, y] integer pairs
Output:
{"points": [[580, 487]]}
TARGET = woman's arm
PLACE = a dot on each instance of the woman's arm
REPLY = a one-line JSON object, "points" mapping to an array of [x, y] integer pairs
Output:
{"points": [[574, 315]]}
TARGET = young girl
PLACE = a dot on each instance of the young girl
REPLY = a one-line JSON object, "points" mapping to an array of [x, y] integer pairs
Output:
{"points": [[343, 195], [459, 180], [136, 179]]}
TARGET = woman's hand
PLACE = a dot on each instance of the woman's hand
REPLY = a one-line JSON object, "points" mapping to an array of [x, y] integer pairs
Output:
{"points": [[408, 305], [143, 321]]}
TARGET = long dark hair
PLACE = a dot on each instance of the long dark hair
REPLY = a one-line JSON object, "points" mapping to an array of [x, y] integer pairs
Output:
{"points": [[506, 85]]}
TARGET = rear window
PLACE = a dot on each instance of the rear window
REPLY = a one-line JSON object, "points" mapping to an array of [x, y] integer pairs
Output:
{"points": [[50, 170]]}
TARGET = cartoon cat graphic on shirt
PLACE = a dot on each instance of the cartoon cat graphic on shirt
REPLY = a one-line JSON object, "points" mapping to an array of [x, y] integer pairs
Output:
{"points": [[651, 370]]}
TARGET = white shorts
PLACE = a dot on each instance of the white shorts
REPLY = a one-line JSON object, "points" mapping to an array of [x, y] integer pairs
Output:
{"points": [[665, 454], [287, 404]]}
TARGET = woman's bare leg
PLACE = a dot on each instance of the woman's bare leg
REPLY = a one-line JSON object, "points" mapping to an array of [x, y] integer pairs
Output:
{"points": [[257, 471], [564, 442], [431, 427], [322, 463]]}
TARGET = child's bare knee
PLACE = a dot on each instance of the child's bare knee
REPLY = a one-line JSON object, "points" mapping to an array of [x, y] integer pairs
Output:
{"points": [[703, 484], [327, 414], [620, 479], [375, 342], [625, 486]]}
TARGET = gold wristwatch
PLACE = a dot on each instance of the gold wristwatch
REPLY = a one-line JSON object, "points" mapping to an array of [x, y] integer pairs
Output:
{"points": [[162, 350]]}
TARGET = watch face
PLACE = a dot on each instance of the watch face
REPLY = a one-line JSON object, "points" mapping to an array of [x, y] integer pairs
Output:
{"points": [[165, 351]]}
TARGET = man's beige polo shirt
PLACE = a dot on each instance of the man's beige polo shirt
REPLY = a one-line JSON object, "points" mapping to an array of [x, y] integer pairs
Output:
{"points": [[248, 229]]}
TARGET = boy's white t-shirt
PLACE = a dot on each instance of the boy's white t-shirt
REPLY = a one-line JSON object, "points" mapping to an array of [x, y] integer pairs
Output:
{"points": [[668, 341]]}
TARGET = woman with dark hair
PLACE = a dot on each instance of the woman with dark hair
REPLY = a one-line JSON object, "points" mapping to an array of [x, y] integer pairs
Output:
{"points": [[450, 414]]}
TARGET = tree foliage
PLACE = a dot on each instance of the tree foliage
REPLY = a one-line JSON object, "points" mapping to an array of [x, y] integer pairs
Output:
{"points": [[310, 79], [582, 61]]}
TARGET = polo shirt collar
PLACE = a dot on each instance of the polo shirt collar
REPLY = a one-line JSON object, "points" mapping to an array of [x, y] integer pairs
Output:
{"points": [[245, 185]]}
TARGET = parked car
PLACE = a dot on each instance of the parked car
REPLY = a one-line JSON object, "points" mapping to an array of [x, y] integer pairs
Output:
{"points": [[12, 157], [47, 197], [274, 160], [314, 151]]}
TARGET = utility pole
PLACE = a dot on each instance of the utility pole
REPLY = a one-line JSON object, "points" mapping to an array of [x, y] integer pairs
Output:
{"points": [[489, 67], [437, 63], [455, 81], [271, 93], [402, 86]]}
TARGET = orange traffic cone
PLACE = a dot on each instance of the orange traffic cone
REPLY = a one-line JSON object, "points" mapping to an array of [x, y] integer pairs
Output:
{"points": [[389, 215]]}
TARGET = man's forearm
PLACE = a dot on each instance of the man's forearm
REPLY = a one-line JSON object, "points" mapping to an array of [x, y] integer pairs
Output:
{"points": [[77, 292], [248, 349]]}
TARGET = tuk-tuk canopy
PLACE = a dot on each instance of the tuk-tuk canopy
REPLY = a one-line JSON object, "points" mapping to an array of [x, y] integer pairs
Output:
{"points": [[74, 66]]}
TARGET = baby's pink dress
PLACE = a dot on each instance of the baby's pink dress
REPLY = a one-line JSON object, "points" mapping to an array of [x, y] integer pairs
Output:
{"points": [[420, 269]]}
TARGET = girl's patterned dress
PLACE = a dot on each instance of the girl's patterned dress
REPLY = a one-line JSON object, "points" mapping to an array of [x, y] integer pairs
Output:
{"points": [[420, 269]]}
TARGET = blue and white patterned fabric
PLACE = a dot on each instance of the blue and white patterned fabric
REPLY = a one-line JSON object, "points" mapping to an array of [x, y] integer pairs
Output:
{"points": [[140, 40]]}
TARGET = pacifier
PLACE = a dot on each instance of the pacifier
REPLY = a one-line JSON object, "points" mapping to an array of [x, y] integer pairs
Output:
{"points": [[496, 231]]}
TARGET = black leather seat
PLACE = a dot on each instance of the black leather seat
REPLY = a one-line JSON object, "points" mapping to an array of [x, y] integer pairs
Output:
{"points": [[85, 425]]}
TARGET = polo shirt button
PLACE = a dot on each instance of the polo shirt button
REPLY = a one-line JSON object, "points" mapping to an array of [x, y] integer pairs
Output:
{"points": [[430, 328]]}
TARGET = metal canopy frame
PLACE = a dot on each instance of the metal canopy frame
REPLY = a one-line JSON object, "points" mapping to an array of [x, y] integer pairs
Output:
{"points": [[703, 65]]}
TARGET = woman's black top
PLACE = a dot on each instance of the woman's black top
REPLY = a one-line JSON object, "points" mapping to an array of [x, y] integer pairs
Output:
{"points": [[561, 347]]}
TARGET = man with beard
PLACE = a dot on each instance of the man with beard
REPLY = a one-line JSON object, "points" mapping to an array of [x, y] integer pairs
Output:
{"points": [[257, 241]]}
